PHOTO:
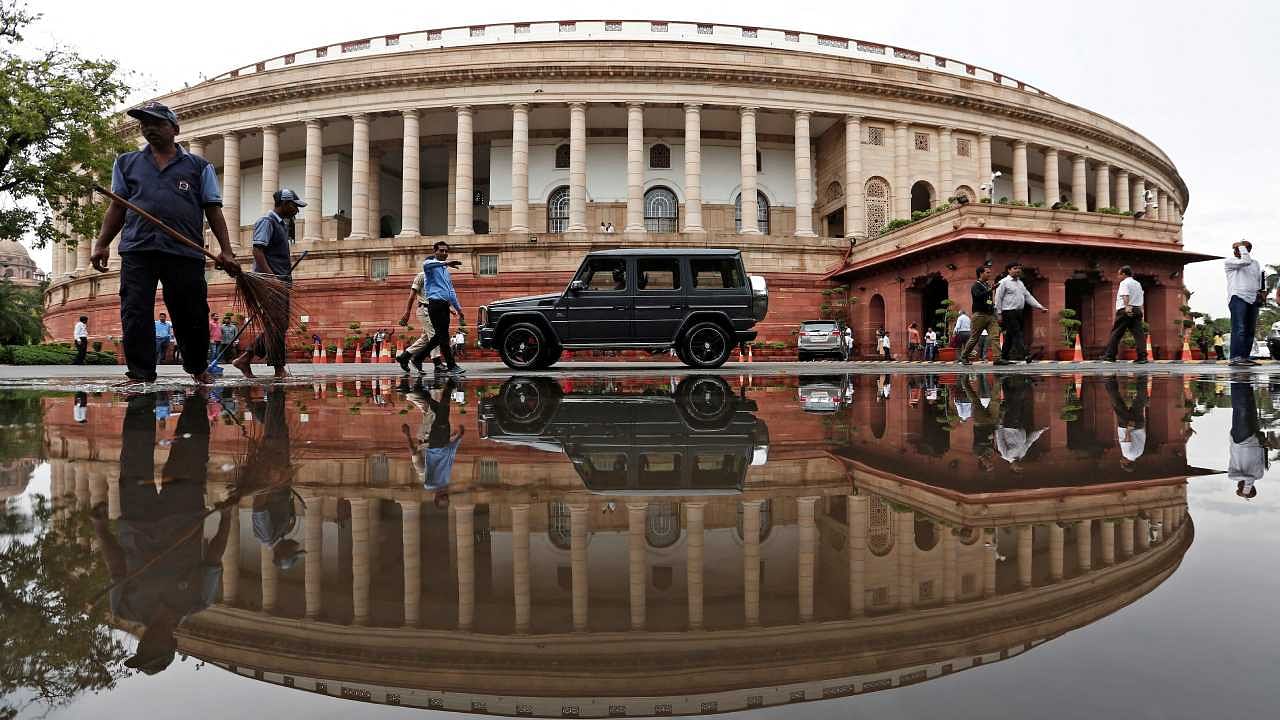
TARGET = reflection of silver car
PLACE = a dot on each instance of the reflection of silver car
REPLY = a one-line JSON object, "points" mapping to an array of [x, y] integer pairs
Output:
{"points": [[821, 394], [819, 337]]}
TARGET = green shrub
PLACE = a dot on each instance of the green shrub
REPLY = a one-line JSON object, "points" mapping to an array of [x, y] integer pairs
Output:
{"points": [[50, 354]]}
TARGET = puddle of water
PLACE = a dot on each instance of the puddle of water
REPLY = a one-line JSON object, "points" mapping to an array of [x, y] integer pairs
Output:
{"points": [[644, 546]]}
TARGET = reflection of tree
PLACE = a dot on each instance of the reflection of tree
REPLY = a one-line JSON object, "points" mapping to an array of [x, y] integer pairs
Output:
{"points": [[20, 413], [52, 644]]}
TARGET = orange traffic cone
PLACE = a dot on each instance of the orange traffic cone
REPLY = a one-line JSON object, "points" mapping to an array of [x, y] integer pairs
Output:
{"points": [[1151, 355], [385, 355], [1078, 381], [1186, 348], [750, 354], [337, 357], [1079, 353], [318, 356]]}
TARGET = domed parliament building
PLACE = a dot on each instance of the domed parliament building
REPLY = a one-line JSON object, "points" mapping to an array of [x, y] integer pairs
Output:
{"points": [[523, 143]]}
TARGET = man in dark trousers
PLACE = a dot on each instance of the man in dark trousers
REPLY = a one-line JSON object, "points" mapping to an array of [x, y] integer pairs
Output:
{"points": [[81, 335], [984, 312], [180, 189], [441, 301], [271, 255], [436, 444], [1012, 298], [1129, 302], [1131, 421]]}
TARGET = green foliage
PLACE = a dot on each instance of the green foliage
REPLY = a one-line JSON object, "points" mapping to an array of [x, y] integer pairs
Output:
{"points": [[985, 201], [1128, 336], [56, 125], [1018, 203], [1037, 204], [894, 225], [21, 312], [50, 354], [1112, 211], [1070, 326], [946, 315]]}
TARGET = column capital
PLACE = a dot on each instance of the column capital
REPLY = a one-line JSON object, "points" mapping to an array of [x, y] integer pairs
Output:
{"points": [[985, 136], [411, 112], [577, 105], [1102, 164], [747, 110], [946, 129], [901, 124], [697, 505], [1049, 151], [359, 117], [231, 135], [638, 505], [1122, 173], [1020, 144], [316, 123], [635, 105], [463, 109], [271, 127], [692, 107], [757, 503], [803, 113], [520, 107]]}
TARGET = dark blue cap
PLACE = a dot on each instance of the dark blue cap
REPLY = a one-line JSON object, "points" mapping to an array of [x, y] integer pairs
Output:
{"points": [[284, 195], [155, 111]]}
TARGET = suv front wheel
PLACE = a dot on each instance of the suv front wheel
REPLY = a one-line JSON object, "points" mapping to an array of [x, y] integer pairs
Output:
{"points": [[523, 346], [705, 345]]}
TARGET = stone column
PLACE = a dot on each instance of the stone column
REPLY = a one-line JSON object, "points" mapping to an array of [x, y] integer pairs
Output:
{"points": [[577, 168], [270, 166], [195, 146], [463, 185], [578, 564], [1143, 527], [1052, 184], [945, 147], [1137, 192], [411, 543], [984, 163], [695, 543], [55, 252], [747, 155], [83, 251], [804, 176], [360, 565], [1079, 183], [989, 565], [375, 193], [859, 509], [1025, 554], [904, 547], [270, 578], [751, 561], [1108, 542], [1163, 200], [1057, 548], [519, 169], [950, 571], [464, 535], [901, 170], [635, 168], [313, 183], [411, 176], [520, 565], [230, 559], [1122, 190], [806, 567], [1102, 186], [1126, 537], [1084, 545], [113, 494], [636, 514], [1021, 189], [855, 222], [313, 561], [231, 187], [359, 177], [693, 168]]}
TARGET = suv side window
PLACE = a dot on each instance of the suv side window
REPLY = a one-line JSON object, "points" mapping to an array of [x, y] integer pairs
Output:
{"points": [[716, 273], [605, 274], [657, 274]]}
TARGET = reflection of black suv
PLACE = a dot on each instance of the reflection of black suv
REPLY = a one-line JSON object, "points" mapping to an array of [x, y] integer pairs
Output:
{"points": [[698, 302], [698, 440]]}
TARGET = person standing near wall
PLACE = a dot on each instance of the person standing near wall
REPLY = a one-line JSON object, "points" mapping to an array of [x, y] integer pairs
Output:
{"points": [[81, 335], [1245, 296]]}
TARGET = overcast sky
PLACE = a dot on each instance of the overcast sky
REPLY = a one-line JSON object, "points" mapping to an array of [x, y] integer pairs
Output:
{"points": [[1198, 79]]}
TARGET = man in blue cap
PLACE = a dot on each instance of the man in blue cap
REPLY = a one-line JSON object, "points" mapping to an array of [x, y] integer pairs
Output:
{"points": [[271, 255], [181, 190]]}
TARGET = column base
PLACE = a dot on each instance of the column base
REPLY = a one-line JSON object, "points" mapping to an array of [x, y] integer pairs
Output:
{"points": [[518, 230], [462, 231], [750, 232], [413, 234], [580, 229], [357, 236], [806, 234], [694, 230]]}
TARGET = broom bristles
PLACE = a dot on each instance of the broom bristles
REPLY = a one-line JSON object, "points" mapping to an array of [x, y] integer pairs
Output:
{"points": [[266, 297]]}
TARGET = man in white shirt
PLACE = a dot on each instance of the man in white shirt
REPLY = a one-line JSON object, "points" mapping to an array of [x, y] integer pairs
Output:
{"points": [[1015, 436], [1245, 295], [1012, 299], [960, 333], [848, 342], [1129, 304], [1131, 422], [81, 335], [930, 344]]}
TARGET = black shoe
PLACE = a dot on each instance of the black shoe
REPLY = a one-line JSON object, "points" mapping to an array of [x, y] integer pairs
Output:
{"points": [[1002, 361], [440, 368], [417, 364], [455, 371], [1143, 361], [1106, 359], [403, 359]]}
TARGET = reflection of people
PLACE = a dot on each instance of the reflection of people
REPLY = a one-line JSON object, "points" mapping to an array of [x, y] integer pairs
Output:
{"points": [[1248, 454], [986, 418], [1131, 422], [436, 443], [1016, 435], [162, 569], [81, 408], [270, 478]]}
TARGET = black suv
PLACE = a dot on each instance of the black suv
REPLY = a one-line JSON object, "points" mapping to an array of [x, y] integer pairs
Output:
{"points": [[699, 302]]}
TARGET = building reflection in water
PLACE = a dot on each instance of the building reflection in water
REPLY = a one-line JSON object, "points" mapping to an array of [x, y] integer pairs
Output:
{"points": [[639, 546]]}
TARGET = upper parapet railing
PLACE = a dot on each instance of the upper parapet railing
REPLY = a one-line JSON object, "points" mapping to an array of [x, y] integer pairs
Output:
{"points": [[652, 30]]}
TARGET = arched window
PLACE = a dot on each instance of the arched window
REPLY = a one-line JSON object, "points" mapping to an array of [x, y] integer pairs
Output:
{"points": [[662, 524], [558, 530], [876, 201], [660, 157], [921, 196], [660, 210], [834, 192], [762, 213], [880, 527], [558, 210], [926, 533], [562, 157], [966, 192]]}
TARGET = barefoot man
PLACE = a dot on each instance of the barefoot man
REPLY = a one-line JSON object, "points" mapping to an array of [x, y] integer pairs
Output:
{"points": [[271, 255]]}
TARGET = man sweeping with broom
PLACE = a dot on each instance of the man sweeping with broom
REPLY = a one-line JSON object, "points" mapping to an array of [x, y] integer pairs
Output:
{"points": [[177, 192], [271, 255]]}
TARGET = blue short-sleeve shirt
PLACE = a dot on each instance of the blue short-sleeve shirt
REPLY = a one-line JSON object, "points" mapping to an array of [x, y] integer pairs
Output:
{"points": [[270, 234], [177, 194]]}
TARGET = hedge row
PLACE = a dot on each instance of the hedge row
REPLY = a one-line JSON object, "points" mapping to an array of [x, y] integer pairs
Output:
{"points": [[51, 354]]}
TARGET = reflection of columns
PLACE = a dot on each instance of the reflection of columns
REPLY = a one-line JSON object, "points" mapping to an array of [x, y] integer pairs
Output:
{"points": [[519, 168], [231, 559], [113, 493], [411, 175], [82, 485], [1084, 545], [855, 224], [578, 564], [747, 157], [313, 182], [1051, 181], [1057, 548], [520, 565], [375, 192], [751, 561], [577, 168], [636, 513], [465, 541], [270, 166], [1122, 190], [693, 168], [808, 555], [950, 573], [464, 170], [1108, 542], [804, 176], [1079, 183], [859, 508], [1021, 189], [905, 547], [901, 171], [695, 543], [945, 145], [411, 542], [635, 168], [97, 488], [269, 577], [989, 563], [360, 570], [1126, 537], [359, 177], [231, 186], [1144, 533], [1025, 554], [1102, 186], [313, 560]]}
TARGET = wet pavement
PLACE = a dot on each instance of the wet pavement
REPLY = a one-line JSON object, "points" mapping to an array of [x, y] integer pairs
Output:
{"points": [[837, 543]]}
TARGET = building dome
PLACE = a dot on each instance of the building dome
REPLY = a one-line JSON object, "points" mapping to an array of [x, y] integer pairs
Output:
{"points": [[16, 264]]}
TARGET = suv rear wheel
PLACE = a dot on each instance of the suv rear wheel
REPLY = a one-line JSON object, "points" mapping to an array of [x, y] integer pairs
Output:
{"points": [[706, 345], [523, 346]]}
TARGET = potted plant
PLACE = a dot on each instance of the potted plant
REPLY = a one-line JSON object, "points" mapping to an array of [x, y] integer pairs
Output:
{"points": [[1070, 330]]}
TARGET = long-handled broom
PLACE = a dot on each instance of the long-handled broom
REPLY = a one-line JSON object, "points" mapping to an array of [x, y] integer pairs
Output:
{"points": [[261, 294], [249, 322]]}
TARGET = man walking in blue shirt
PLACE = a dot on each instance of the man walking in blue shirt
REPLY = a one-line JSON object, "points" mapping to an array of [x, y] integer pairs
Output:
{"points": [[164, 335], [441, 299]]}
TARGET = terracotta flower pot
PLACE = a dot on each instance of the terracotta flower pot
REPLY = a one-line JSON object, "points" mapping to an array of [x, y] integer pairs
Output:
{"points": [[1065, 354], [1129, 354], [947, 354]]}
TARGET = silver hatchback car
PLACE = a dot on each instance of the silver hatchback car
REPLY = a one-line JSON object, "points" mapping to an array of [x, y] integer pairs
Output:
{"points": [[820, 337]]}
